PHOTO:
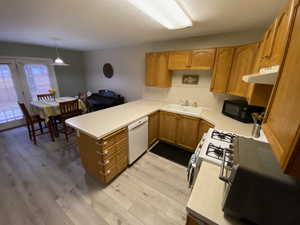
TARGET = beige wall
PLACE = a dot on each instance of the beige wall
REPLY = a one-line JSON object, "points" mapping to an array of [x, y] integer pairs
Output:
{"points": [[129, 67]]}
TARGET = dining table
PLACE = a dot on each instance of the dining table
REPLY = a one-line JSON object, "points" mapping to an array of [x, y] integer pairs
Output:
{"points": [[48, 109]]}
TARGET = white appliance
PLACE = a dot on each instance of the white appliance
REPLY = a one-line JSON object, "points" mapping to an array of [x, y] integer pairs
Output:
{"points": [[138, 138]]}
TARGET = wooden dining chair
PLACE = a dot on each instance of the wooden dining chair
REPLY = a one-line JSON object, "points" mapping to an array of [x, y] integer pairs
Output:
{"points": [[48, 96], [31, 120], [68, 110]]}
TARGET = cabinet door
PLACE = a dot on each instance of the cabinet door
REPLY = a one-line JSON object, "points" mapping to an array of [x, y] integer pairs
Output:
{"points": [[282, 122], [179, 60], [242, 64], [168, 127], [276, 37], [163, 75], [203, 128], [187, 132], [153, 128], [151, 65], [203, 59], [221, 73]]}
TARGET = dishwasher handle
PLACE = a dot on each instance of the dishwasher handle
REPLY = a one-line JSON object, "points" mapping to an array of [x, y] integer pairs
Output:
{"points": [[138, 123]]}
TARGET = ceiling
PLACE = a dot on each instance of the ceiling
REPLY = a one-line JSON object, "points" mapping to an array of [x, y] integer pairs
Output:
{"points": [[99, 24]]}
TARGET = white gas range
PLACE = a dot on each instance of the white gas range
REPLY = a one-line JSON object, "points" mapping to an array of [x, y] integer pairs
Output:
{"points": [[215, 146]]}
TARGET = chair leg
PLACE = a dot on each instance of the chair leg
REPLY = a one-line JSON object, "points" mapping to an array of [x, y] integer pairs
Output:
{"points": [[66, 131], [50, 127], [33, 133], [29, 132], [41, 127]]}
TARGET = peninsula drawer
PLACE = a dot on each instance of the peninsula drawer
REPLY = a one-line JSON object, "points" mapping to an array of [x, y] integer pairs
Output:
{"points": [[113, 138], [107, 163], [108, 174], [104, 154]]}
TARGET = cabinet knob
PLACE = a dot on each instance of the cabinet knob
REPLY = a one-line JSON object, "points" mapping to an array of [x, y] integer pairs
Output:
{"points": [[103, 164], [102, 144], [102, 153]]}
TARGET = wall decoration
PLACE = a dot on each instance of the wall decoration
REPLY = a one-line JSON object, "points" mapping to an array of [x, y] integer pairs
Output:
{"points": [[190, 79], [108, 70]]}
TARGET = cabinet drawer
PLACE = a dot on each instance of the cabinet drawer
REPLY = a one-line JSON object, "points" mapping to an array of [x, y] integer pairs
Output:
{"points": [[104, 154], [104, 165], [108, 174]]}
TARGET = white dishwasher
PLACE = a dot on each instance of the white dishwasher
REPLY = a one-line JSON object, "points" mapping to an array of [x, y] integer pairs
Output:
{"points": [[138, 138]]}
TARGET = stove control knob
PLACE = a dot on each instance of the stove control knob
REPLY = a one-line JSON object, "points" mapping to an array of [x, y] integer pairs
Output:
{"points": [[231, 146]]}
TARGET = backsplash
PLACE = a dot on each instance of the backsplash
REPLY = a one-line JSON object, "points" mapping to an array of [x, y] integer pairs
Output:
{"points": [[179, 92]]}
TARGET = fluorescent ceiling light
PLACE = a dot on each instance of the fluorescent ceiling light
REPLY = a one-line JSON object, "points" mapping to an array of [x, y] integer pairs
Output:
{"points": [[166, 12]]}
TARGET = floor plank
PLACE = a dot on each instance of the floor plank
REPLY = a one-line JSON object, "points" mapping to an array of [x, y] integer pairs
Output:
{"points": [[45, 184]]}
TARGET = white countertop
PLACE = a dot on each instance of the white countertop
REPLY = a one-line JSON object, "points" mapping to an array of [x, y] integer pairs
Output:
{"points": [[206, 198], [103, 122]]}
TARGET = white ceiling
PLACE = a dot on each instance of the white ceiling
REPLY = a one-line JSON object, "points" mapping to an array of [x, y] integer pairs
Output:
{"points": [[99, 24]]}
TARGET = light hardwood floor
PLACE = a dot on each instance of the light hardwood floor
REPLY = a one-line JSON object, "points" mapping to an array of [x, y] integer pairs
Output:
{"points": [[46, 185]]}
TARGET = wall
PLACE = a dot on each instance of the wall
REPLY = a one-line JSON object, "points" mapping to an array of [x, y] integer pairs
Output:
{"points": [[129, 66], [70, 79]]}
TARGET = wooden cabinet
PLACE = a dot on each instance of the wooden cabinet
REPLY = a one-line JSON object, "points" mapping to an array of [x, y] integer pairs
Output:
{"points": [[153, 128], [168, 127], [105, 158], [282, 122], [179, 60], [202, 59], [243, 61], [203, 128], [277, 35], [192, 220], [157, 73], [222, 68], [181, 130], [187, 132]]}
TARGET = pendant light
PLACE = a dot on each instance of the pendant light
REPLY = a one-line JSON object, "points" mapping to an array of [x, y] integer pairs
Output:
{"points": [[58, 61]]}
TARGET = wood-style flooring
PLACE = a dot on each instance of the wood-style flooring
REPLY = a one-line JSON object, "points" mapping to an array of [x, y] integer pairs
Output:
{"points": [[46, 185]]}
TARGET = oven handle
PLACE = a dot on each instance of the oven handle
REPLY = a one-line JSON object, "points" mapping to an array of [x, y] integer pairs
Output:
{"points": [[221, 175]]}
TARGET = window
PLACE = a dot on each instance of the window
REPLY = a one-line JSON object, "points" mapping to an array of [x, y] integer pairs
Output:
{"points": [[38, 80], [9, 109]]}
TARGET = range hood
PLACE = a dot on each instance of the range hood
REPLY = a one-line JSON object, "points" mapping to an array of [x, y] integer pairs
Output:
{"points": [[266, 75]]}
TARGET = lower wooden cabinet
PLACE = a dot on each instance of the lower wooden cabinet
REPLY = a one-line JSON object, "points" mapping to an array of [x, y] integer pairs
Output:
{"points": [[168, 126], [192, 220], [203, 128], [105, 158], [187, 132], [153, 128], [181, 130]]}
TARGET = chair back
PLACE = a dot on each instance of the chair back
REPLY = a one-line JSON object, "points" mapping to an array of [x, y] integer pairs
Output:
{"points": [[25, 112], [70, 108], [49, 96]]}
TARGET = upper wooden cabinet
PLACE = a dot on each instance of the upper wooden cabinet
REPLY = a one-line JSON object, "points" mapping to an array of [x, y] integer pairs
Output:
{"points": [[282, 122], [222, 68], [153, 128], [276, 37], [243, 61], [179, 60], [157, 73], [202, 59]]}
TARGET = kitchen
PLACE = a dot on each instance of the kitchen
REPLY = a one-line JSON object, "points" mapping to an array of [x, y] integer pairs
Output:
{"points": [[200, 96]]}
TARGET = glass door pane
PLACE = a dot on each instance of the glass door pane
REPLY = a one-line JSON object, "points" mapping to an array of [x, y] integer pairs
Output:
{"points": [[37, 79], [9, 109]]}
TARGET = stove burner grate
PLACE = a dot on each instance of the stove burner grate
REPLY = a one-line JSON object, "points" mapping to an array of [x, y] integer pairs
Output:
{"points": [[221, 136]]}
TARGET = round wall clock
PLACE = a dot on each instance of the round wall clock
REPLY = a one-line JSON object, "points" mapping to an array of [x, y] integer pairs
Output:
{"points": [[108, 70]]}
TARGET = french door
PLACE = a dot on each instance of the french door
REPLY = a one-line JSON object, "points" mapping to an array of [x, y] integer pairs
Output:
{"points": [[20, 81]]}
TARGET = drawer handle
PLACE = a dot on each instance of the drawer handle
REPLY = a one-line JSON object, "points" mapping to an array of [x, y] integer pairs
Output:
{"points": [[108, 172], [102, 153], [102, 144], [103, 164]]}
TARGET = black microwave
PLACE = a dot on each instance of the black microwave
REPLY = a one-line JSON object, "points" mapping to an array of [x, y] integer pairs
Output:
{"points": [[240, 110]]}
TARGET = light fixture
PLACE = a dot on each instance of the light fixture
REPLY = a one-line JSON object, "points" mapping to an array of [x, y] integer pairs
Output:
{"points": [[166, 12], [58, 61]]}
